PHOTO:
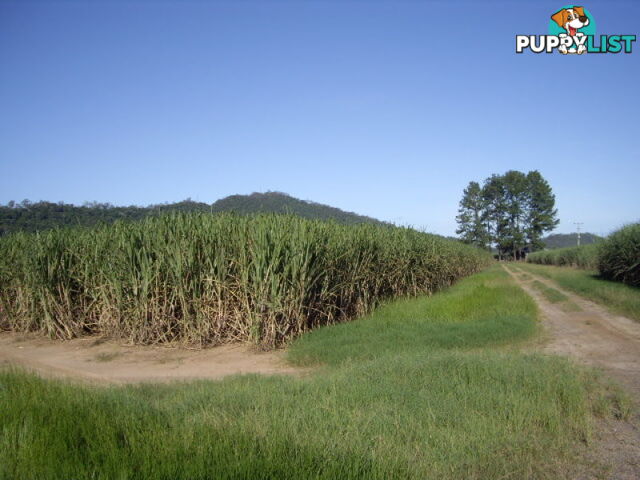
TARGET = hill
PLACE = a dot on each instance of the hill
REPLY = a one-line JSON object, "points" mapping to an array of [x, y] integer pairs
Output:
{"points": [[31, 217], [562, 240], [277, 202]]}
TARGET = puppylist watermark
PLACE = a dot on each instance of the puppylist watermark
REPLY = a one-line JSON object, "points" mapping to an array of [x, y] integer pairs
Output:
{"points": [[572, 30]]}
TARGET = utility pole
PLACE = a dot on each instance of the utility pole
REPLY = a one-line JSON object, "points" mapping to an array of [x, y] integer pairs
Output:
{"points": [[577, 224]]}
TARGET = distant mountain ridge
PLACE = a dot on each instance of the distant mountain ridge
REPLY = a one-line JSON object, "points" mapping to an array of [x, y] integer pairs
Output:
{"points": [[30, 217], [561, 240]]}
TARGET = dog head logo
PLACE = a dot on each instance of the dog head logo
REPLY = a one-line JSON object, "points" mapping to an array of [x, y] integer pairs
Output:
{"points": [[572, 21]]}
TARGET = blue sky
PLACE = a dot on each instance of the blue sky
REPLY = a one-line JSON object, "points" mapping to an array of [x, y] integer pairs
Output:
{"points": [[387, 109]]}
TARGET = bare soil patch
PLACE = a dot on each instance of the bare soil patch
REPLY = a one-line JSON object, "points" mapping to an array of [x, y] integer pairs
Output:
{"points": [[102, 360], [596, 337]]}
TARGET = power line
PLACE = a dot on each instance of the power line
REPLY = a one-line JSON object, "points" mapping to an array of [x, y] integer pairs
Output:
{"points": [[577, 224]]}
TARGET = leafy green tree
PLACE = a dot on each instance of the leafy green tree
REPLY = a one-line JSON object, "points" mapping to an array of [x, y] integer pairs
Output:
{"points": [[516, 192], [510, 212], [542, 216], [472, 228], [495, 214]]}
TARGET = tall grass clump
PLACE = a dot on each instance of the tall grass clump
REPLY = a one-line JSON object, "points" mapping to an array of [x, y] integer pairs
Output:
{"points": [[619, 256], [584, 256], [208, 279]]}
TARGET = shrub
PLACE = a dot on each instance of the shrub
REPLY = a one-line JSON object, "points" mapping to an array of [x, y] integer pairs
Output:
{"points": [[619, 256]]}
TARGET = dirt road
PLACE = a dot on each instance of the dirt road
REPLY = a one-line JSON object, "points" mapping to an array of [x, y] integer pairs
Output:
{"points": [[589, 333], [109, 361]]}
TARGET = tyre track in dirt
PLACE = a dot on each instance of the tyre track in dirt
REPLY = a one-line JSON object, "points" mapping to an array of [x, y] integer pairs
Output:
{"points": [[592, 334]]}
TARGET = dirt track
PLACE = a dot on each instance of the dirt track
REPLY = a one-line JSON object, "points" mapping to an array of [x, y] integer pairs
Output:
{"points": [[589, 333], [108, 361]]}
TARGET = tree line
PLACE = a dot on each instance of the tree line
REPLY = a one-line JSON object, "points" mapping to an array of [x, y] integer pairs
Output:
{"points": [[38, 216], [509, 212], [27, 216]]}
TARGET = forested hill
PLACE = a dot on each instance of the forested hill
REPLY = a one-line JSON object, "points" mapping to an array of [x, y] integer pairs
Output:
{"points": [[282, 203], [561, 240], [28, 216]]}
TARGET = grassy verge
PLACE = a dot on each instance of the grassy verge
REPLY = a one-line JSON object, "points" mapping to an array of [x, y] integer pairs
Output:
{"points": [[486, 309], [618, 297], [551, 294], [414, 390]]}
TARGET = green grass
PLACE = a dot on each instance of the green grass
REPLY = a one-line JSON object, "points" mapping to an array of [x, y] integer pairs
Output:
{"points": [[551, 294], [486, 309], [107, 356], [416, 389], [619, 298]]}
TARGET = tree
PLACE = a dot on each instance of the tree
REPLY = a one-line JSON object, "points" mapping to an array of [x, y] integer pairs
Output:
{"points": [[510, 212], [516, 192], [542, 214], [495, 214], [470, 217]]}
